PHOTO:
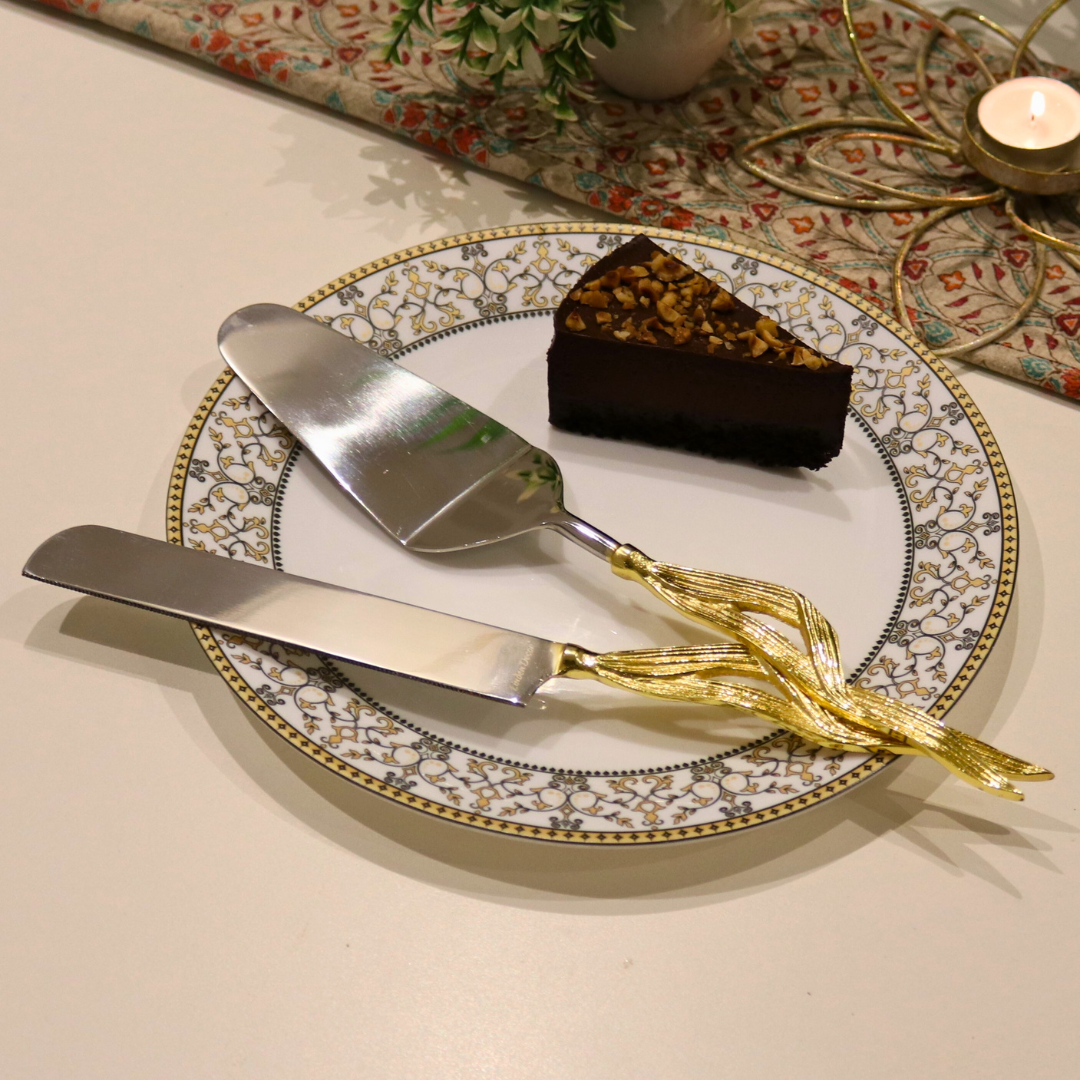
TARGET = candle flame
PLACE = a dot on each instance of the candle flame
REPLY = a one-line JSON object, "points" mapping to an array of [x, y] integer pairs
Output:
{"points": [[1038, 105]]}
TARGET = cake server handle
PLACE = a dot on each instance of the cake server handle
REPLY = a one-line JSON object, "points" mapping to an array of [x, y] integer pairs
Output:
{"points": [[811, 679]]}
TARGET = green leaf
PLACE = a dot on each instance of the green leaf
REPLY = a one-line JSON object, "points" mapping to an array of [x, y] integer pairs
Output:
{"points": [[531, 63], [547, 33], [484, 37], [565, 62], [605, 34], [509, 33]]}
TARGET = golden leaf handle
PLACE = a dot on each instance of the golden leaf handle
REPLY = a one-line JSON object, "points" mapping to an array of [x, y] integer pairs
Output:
{"points": [[817, 703]]}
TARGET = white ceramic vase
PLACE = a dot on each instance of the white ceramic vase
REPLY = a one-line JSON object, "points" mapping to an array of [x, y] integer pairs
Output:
{"points": [[672, 45]]}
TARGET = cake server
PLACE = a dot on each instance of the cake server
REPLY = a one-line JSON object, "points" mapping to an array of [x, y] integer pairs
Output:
{"points": [[439, 475], [460, 654]]}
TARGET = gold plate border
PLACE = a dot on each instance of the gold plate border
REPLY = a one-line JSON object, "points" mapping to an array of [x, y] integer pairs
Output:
{"points": [[948, 698]]}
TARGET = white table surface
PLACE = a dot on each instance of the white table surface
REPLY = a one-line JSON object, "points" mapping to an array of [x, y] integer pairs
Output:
{"points": [[184, 896]]}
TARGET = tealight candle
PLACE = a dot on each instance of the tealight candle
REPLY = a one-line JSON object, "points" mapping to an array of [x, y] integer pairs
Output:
{"points": [[1032, 122]]}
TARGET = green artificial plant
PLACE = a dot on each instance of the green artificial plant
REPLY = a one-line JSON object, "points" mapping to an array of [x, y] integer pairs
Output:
{"points": [[546, 39]]}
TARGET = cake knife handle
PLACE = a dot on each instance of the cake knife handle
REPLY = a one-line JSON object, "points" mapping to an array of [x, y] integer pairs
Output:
{"points": [[691, 673], [812, 679], [817, 703]]}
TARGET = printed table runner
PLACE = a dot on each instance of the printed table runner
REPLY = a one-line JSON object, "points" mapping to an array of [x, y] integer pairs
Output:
{"points": [[670, 164]]}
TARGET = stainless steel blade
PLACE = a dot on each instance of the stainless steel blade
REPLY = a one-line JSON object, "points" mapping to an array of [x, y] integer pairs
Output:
{"points": [[433, 471], [354, 626]]}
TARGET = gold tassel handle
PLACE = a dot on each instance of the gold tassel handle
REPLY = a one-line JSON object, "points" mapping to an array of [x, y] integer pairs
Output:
{"points": [[817, 703]]}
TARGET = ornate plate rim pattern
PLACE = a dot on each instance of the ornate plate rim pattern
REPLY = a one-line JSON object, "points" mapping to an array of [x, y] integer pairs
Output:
{"points": [[950, 694]]}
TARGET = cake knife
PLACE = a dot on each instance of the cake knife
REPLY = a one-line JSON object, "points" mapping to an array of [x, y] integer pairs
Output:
{"points": [[448, 651], [439, 475]]}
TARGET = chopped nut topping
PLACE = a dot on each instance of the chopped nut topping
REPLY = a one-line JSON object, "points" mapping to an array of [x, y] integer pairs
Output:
{"points": [[804, 357], [767, 329], [657, 261], [687, 307], [668, 268], [755, 344], [667, 312]]}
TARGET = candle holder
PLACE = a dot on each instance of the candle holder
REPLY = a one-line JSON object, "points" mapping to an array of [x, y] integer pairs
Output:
{"points": [[1015, 186], [991, 159]]}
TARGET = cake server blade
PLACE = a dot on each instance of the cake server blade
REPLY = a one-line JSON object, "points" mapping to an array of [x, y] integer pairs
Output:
{"points": [[436, 473]]}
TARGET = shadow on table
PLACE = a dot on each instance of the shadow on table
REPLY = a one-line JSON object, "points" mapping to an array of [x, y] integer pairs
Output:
{"points": [[407, 184], [391, 171]]}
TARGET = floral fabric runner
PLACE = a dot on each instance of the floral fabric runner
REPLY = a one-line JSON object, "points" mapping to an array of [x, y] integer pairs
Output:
{"points": [[670, 164]]}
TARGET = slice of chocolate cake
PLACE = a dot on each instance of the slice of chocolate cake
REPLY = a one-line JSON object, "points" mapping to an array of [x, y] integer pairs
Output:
{"points": [[648, 349]]}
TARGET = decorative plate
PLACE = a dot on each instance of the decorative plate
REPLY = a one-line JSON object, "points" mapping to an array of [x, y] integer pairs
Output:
{"points": [[907, 541]]}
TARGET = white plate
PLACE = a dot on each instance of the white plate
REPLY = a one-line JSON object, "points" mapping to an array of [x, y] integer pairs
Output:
{"points": [[907, 542]]}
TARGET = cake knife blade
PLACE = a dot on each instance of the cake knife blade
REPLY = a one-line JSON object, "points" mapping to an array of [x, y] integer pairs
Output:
{"points": [[358, 627]]}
